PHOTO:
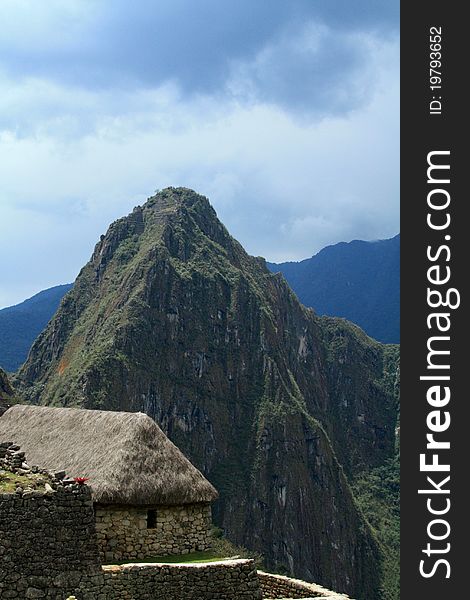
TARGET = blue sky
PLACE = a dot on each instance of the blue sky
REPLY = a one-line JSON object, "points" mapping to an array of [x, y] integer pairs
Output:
{"points": [[284, 113]]}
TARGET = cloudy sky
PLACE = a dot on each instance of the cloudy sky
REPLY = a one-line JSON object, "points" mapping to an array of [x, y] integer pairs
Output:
{"points": [[283, 112]]}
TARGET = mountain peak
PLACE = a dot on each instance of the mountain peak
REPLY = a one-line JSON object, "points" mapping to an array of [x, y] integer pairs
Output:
{"points": [[173, 199], [179, 196], [175, 221]]}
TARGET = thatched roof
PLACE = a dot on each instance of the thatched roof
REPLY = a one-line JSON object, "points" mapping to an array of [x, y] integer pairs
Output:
{"points": [[126, 456]]}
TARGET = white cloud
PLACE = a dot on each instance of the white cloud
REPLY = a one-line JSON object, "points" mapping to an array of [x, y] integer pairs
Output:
{"points": [[285, 180]]}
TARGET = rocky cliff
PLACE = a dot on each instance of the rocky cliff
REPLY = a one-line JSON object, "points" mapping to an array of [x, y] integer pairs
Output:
{"points": [[6, 392], [278, 407]]}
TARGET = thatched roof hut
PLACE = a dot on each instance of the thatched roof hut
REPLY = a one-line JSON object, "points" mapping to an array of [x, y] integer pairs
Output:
{"points": [[126, 456]]}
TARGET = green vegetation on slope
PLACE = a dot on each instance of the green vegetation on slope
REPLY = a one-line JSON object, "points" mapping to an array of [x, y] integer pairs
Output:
{"points": [[377, 490], [378, 495]]}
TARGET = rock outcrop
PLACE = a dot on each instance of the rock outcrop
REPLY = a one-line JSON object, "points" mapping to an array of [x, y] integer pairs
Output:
{"points": [[6, 392]]}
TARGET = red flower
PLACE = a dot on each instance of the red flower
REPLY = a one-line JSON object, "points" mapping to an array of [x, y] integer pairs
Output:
{"points": [[80, 480]]}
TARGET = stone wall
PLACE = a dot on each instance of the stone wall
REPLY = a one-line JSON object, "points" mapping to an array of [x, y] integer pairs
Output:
{"points": [[278, 586], [49, 547], [124, 533], [47, 534], [227, 580]]}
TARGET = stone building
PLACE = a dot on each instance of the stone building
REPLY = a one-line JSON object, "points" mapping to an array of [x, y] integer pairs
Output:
{"points": [[149, 500]]}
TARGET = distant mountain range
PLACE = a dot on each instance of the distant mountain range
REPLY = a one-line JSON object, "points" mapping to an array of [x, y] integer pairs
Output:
{"points": [[21, 324], [359, 281]]}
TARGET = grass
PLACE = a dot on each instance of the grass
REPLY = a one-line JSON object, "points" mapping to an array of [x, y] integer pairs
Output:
{"points": [[222, 549], [193, 557], [10, 481], [378, 494]]}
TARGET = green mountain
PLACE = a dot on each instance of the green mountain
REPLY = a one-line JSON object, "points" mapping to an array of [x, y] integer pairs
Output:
{"points": [[281, 409], [359, 281], [21, 324]]}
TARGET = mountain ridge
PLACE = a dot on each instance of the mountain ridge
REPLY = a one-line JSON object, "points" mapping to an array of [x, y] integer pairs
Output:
{"points": [[356, 280], [21, 323]]}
